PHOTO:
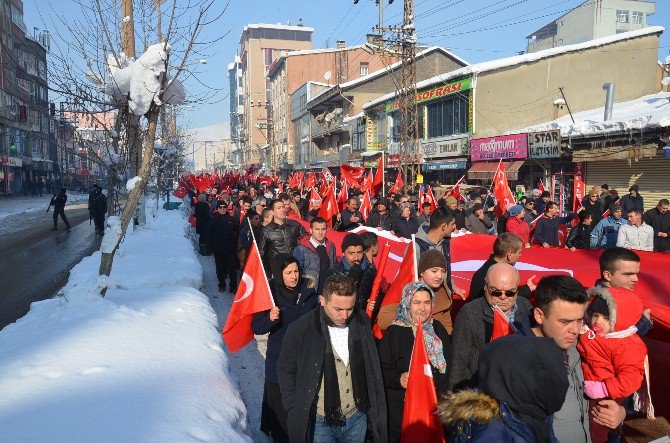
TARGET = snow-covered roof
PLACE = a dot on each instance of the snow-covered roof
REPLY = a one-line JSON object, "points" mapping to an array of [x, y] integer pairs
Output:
{"points": [[353, 117], [507, 62], [320, 51], [277, 26], [650, 111]]}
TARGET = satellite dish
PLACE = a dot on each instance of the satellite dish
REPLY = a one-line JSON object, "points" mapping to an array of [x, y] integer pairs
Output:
{"points": [[327, 75]]}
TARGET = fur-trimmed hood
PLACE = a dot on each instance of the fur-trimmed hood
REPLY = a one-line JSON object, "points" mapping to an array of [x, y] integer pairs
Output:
{"points": [[468, 405], [625, 307]]}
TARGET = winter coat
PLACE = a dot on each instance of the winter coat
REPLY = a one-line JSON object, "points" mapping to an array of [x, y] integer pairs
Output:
{"points": [[441, 310], [546, 229], [424, 243], [59, 200], [222, 233], [477, 417], [539, 206], [501, 227], [472, 330], [636, 237], [595, 209], [519, 227], [395, 353], [579, 237], [617, 361], [377, 220], [460, 218], [477, 226], [364, 279], [261, 323], [660, 223], [309, 260], [97, 202], [604, 235], [479, 277], [346, 224], [275, 239], [202, 215], [300, 371], [405, 227], [628, 202]]}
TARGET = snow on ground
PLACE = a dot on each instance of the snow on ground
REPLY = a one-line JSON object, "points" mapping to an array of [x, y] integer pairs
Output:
{"points": [[650, 111], [14, 205], [143, 364]]}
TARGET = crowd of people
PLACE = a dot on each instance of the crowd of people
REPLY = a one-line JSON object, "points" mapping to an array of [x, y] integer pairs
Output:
{"points": [[328, 379]]}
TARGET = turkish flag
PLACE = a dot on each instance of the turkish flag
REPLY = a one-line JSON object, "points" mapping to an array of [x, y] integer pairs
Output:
{"points": [[502, 191], [398, 185], [378, 181], [381, 268], [501, 324], [427, 197], [407, 273], [540, 186], [311, 180], [313, 198], [329, 207], [343, 197], [353, 175], [366, 205], [419, 417], [253, 295], [368, 183]]}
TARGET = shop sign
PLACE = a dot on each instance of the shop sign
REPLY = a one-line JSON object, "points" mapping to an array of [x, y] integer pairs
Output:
{"points": [[370, 130], [392, 160], [501, 147], [546, 144], [434, 93], [444, 166], [444, 148], [12, 161]]}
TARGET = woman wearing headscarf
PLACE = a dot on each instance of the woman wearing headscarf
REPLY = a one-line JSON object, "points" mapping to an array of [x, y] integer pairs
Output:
{"points": [[395, 350], [294, 296], [523, 382]]}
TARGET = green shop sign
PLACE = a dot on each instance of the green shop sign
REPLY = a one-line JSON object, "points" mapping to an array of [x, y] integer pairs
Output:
{"points": [[434, 93]]}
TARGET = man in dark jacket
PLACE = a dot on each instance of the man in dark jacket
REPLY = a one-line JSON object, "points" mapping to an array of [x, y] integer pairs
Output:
{"points": [[546, 230], [329, 372], [659, 219], [381, 216], [351, 217], [474, 324], [58, 201], [356, 266], [633, 200], [478, 222], [280, 235], [97, 207], [593, 205], [222, 233], [316, 254], [507, 248], [580, 235]]}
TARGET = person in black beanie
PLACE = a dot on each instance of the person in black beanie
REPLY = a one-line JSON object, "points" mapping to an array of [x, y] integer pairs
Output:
{"points": [[356, 266]]}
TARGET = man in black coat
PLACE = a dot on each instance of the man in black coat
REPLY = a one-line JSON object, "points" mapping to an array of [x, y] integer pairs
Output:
{"points": [[329, 372], [97, 207], [356, 266], [58, 201], [222, 234], [381, 216], [659, 219], [351, 217], [280, 235]]}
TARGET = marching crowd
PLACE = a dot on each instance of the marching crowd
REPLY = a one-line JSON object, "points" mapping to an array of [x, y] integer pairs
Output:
{"points": [[568, 373]]}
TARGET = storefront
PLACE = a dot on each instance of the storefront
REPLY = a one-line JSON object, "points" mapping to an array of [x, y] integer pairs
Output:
{"points": [[10, 175], [487, 153], [444, 159]]}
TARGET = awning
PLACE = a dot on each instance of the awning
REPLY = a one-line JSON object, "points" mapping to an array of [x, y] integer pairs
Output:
{"points": [[486, 170], [443, 165], [614, 153]]}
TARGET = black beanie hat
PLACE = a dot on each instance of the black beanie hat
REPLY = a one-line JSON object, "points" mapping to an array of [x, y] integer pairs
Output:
{"points": [[352, 240], [600, 306]]}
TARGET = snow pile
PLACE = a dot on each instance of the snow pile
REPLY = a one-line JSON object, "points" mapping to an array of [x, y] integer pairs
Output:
{"points": [[139, 81], [112, 235], [130, 184], [650, 111], [143, 364]]}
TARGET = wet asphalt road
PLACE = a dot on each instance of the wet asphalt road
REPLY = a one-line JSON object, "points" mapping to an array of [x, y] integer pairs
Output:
{"points": [[35, 261]]}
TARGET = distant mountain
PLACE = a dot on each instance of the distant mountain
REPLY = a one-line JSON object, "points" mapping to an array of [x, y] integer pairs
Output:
{"points": [[218, 131]]}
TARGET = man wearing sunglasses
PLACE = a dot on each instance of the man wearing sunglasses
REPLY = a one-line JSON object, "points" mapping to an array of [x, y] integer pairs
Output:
{"points": [[474, 324]]}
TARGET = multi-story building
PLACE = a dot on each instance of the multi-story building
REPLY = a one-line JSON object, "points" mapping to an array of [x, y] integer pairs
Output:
{"points": [[291, 70], [260, 45], [236, 86], [591, 20], [24, 109]]}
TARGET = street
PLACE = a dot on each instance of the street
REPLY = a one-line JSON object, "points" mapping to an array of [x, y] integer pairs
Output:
{"points": [[35, 261]]}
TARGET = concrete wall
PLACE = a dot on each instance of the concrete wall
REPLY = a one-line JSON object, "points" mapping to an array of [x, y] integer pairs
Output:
{"points": [[522, 95]]}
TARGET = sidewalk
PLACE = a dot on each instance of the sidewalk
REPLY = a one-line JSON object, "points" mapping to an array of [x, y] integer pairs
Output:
{"points": [[20, 204]]}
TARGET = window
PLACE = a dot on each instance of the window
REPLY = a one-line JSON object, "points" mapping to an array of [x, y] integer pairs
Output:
{"points": [[561, 24], [268, 57], [448, 117], [622, 16], [365, 68], [637, 17]]}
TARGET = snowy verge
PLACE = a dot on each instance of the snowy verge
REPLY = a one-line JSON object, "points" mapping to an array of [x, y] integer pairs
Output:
{"points": [[143, 364]]}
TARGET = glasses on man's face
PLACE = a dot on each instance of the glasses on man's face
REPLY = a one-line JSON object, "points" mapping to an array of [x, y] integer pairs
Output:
{"points": [[499, 293]]}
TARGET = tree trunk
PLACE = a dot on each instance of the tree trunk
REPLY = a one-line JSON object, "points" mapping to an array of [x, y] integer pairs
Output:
{"points": [[134, 195]]}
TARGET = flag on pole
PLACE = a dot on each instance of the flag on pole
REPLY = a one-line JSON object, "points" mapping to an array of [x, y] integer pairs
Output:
{"points": [[419, 417], [427, 197], [366, 205], [253, 295], [311, 180], [407, 273], [368, 183], [501, 324], [378, 181], [381, 267], [314, 197], [455, 190], [343, 197], [398, 185], [354, 175], [329, 207], [501, 190]]}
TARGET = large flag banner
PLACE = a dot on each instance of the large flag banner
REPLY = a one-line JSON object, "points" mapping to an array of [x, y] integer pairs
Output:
{"points": [[501, 191], [420, 422], [398, 185], [353, 175], [407, 273], [381, 267], [343, 196], [253, 295], [311, 180], [455, 190]]}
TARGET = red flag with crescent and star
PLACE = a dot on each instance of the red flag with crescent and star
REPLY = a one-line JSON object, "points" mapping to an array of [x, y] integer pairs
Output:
{"points": [[502, 191], [253, 295]]}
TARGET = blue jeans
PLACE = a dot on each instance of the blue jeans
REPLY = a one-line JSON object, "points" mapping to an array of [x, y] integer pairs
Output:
{"points": [[353, 431]]}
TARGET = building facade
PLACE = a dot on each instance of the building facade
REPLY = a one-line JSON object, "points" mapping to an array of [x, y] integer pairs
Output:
{"points": [[260, 45], [591, 20], [236, 85]]}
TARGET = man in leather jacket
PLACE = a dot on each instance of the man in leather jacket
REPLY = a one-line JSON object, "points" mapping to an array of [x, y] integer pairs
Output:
{"points": [[280, 235]]}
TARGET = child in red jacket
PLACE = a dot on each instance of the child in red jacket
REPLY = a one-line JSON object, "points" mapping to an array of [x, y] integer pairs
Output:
{"points": [[613, 355]]}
